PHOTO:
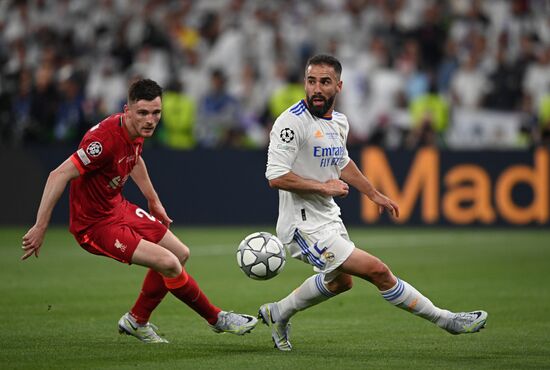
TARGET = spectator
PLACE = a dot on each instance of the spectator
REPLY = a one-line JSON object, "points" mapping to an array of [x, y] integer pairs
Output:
{"points": [[253, 96], [21, 106], [44, 103], [105, 88], [431, 36], [469, 84], [416, 79], [178, 118], [448, 67], [504, 85], [286, 95], [429, 116], [357, 97], [218, 121], [542, 133], [188, 39], [70, 123], [537, 78]]}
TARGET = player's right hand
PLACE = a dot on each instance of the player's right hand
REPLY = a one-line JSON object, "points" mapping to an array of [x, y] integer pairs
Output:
{"points": [[336, 188], [385, 204], [157, 209], [32, 241]]}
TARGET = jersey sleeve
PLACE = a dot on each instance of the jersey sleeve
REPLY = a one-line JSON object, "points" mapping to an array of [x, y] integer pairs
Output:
{"points": [[285, 140], [345, 157], [92, 153]]}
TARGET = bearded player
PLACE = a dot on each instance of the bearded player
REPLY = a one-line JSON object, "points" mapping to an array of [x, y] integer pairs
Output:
{"points": [[309, 164], [104, 223]]}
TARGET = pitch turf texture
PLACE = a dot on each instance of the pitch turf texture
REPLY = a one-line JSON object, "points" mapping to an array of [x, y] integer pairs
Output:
{"points": [[60, 311]]}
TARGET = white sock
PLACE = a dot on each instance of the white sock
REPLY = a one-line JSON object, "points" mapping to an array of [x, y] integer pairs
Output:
{"points": [[312, 291], [405, 296]]}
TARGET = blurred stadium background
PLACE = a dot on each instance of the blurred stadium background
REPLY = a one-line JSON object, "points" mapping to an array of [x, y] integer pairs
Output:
{"points": [[449, 107], [454, 94]]}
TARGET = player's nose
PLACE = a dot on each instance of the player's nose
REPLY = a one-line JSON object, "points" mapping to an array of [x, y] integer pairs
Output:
{"points": [[317, 88]]}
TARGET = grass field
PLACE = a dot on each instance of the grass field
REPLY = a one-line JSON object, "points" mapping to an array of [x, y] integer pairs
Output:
{"points": [[60, 310]]}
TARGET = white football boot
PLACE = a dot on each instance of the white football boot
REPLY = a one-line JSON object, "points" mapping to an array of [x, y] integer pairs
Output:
{"points": [[280, 330], [146, 333], [466, 322], [234, 323]]}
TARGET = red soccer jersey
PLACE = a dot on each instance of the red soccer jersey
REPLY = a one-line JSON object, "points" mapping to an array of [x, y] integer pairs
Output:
{"points": [[105, 158]]}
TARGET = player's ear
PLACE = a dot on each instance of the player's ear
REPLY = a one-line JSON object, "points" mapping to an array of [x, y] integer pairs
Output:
{"points": [[125, 108], [339, 85]]}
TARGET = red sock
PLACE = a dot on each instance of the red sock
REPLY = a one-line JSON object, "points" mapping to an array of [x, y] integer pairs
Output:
{"points": [[186, 289], [152, 293]]}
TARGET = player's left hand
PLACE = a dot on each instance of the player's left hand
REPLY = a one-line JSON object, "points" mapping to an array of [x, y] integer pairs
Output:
{"points": [[157, 209], [385, 203]]}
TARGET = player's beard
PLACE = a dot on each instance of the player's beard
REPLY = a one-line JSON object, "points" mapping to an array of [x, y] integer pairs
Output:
{"points": [[323, 109]]}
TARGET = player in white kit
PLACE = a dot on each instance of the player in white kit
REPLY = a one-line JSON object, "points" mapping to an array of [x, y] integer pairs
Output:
{"points": [[308, 162]]}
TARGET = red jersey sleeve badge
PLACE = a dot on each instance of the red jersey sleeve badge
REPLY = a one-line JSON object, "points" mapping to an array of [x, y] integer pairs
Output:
{"points": [[94, 149]]}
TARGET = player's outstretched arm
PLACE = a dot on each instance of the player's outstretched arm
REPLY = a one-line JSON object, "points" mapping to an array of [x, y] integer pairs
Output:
{"points": [[353, 176], [55, 185], [143, 181], [297, 184]]}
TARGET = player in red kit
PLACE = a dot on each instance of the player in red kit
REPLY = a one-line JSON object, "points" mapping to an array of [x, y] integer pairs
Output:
{"points": [[104, 223]]}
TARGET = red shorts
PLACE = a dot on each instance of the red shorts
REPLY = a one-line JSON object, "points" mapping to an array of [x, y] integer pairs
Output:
{"points": [[118, 237]]}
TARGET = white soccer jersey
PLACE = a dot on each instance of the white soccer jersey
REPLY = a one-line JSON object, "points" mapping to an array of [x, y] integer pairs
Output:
{"points": [[313, 148]]}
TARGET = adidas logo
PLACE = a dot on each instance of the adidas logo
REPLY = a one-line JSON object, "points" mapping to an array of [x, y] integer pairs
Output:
{"points": [[318, 134]]}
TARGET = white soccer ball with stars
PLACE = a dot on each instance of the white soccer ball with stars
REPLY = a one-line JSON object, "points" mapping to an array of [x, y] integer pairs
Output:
{"points": [[261, 256]]}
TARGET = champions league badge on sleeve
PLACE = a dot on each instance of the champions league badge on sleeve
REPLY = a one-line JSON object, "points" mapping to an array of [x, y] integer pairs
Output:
{"points": [[287, 135], [94, 149]]}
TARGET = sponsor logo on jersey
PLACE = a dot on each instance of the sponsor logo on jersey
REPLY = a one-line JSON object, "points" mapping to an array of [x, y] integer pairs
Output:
{"points": [[83, 157], [287, 135], [119, 245], [330, 151], [117, 181], [330, 156], [94, 149]]}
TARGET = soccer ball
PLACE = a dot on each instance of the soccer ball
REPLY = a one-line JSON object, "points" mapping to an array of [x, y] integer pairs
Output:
{"points": [[261, 256]]}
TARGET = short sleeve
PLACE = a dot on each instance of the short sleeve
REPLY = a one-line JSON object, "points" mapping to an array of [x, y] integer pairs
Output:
{"points": [[92, 153], [285, 140], [345, 157]]}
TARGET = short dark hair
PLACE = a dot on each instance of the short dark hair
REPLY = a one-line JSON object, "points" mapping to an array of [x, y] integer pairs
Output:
{"points": [[328, 60], [144, 89]]}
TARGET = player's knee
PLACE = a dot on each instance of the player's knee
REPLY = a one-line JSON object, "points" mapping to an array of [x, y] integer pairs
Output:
{"points": [[184, 255], [379, 273], [340, 285], [169, 265], [346, 285]]}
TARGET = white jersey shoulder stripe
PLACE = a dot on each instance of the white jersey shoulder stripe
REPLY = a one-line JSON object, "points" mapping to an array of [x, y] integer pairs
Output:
{"points": [[298, 108]]}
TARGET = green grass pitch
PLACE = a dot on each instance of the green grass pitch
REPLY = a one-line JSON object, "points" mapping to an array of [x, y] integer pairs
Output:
{"points": [[60, 311]]}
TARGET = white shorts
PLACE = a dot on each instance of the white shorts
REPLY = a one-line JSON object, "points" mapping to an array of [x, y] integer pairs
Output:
{"points": [[325, 249]]}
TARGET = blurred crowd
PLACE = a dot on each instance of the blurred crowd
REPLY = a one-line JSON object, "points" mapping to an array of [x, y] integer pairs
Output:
{"points": [[230, 67]]}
